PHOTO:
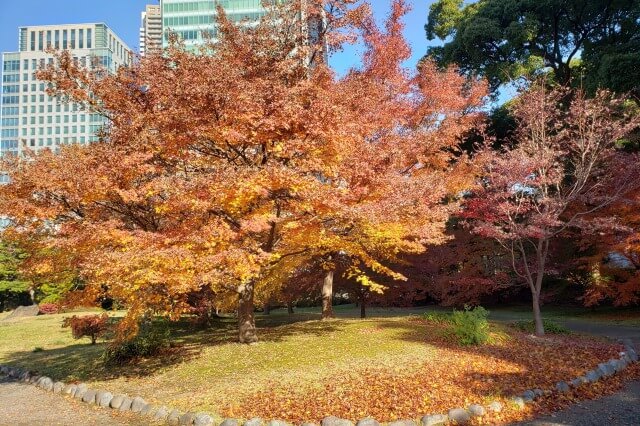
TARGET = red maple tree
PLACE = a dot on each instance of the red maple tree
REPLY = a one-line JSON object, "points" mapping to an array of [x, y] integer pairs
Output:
{"points": [[565, 166]]}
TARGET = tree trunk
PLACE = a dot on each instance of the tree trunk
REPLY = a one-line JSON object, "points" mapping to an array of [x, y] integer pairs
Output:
{"points": [[537, 315], [363, 309], [266, 309], [327, 296], [290, 308], [246, 317], [32, 295]]}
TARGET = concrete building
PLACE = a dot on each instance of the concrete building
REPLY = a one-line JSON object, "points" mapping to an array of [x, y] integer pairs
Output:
{"points": [[192, 20], [29, 118], [150, 29]]}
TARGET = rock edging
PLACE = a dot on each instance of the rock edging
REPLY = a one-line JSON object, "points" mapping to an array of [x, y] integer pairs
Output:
{"points": [[170, 416]]}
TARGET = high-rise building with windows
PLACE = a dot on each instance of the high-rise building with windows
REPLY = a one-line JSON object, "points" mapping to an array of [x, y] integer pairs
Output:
{"points": [[29, 118], [150, 29], [193, 20]]}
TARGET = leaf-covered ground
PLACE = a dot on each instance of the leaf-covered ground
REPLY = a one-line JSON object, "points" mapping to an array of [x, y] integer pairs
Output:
{"points": [[452, 377], [389, 367]]}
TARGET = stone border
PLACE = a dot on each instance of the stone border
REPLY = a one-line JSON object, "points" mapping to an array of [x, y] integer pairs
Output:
{"points": [[121, 402]]}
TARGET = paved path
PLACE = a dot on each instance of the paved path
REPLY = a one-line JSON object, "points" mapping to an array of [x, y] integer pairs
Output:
{"points": [[611, 331], [25, 405], [620, 409]]}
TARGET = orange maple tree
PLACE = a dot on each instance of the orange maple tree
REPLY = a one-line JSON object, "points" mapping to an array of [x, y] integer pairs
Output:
{"points": [[230, 167]]}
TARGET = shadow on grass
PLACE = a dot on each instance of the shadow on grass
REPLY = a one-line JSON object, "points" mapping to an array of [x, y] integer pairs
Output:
{"points": [[84, 362]]}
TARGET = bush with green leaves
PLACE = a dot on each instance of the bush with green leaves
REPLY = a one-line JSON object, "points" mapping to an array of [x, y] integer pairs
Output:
{"points": [[150, 340], [470, 326], [550, 327]]}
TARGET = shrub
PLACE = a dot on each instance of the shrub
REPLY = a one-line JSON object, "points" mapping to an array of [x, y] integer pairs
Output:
{"points": [[470, 326], [148, 342], [92, 326], [38, 349], [550, 327], [48, 308]]}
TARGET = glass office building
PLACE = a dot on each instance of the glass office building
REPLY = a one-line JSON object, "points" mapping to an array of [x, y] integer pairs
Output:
{"points": [[192, 20], [29, 118]]}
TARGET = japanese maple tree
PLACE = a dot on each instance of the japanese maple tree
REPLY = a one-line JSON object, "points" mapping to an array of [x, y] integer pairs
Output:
{"points": [[564, 167], [234, 166]]}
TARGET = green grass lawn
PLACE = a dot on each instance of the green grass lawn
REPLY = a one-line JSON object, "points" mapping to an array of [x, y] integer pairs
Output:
{"points": [[292, 348]]}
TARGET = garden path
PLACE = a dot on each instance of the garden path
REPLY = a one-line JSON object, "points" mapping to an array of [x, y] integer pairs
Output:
{"points": [[26, 405]]}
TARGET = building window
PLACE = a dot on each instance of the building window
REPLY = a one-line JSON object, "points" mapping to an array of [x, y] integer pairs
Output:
{"points": [[49, 45], [33, 40], [89, 38], [57, 39], [40, 40], [11, 65], [14, 88], [64, 39], [81, 38], [73, 39]]}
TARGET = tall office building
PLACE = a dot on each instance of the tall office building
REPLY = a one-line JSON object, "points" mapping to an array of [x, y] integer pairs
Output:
{"points": [[191, 20], [29, 118], [150, 29]]}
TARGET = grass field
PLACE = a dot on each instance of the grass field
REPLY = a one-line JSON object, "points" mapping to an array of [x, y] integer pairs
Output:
{"points": [[389, 366]]}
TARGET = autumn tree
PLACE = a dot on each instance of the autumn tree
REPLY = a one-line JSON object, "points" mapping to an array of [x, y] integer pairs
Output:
{"points": [[231, 167], [611, 271], [564, 167]]}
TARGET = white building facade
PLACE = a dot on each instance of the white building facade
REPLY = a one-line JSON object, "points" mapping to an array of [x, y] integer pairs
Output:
{"points": [[150, 29], [29, 118]]}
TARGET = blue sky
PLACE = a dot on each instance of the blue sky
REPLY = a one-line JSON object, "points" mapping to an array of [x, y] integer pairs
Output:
{"points": [[123, 16]]}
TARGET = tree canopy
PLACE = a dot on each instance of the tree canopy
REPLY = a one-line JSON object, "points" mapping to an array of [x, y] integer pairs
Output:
{"points": [[12, 283], [593, 43], [230, 168]]}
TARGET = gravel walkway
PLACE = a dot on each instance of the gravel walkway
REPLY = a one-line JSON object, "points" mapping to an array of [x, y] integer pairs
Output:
{"points": [[620, 409], [25, 405]]}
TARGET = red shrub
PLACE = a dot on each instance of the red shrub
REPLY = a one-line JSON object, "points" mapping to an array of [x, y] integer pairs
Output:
{"points": [[48, 308], [92, 326]]}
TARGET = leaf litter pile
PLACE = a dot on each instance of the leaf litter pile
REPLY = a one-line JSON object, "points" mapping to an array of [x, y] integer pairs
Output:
{"points": [[455, 377]]}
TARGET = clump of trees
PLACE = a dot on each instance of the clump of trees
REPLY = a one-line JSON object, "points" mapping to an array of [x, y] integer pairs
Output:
{"points": [[14, 288], [589, 43], [249, 172]]}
